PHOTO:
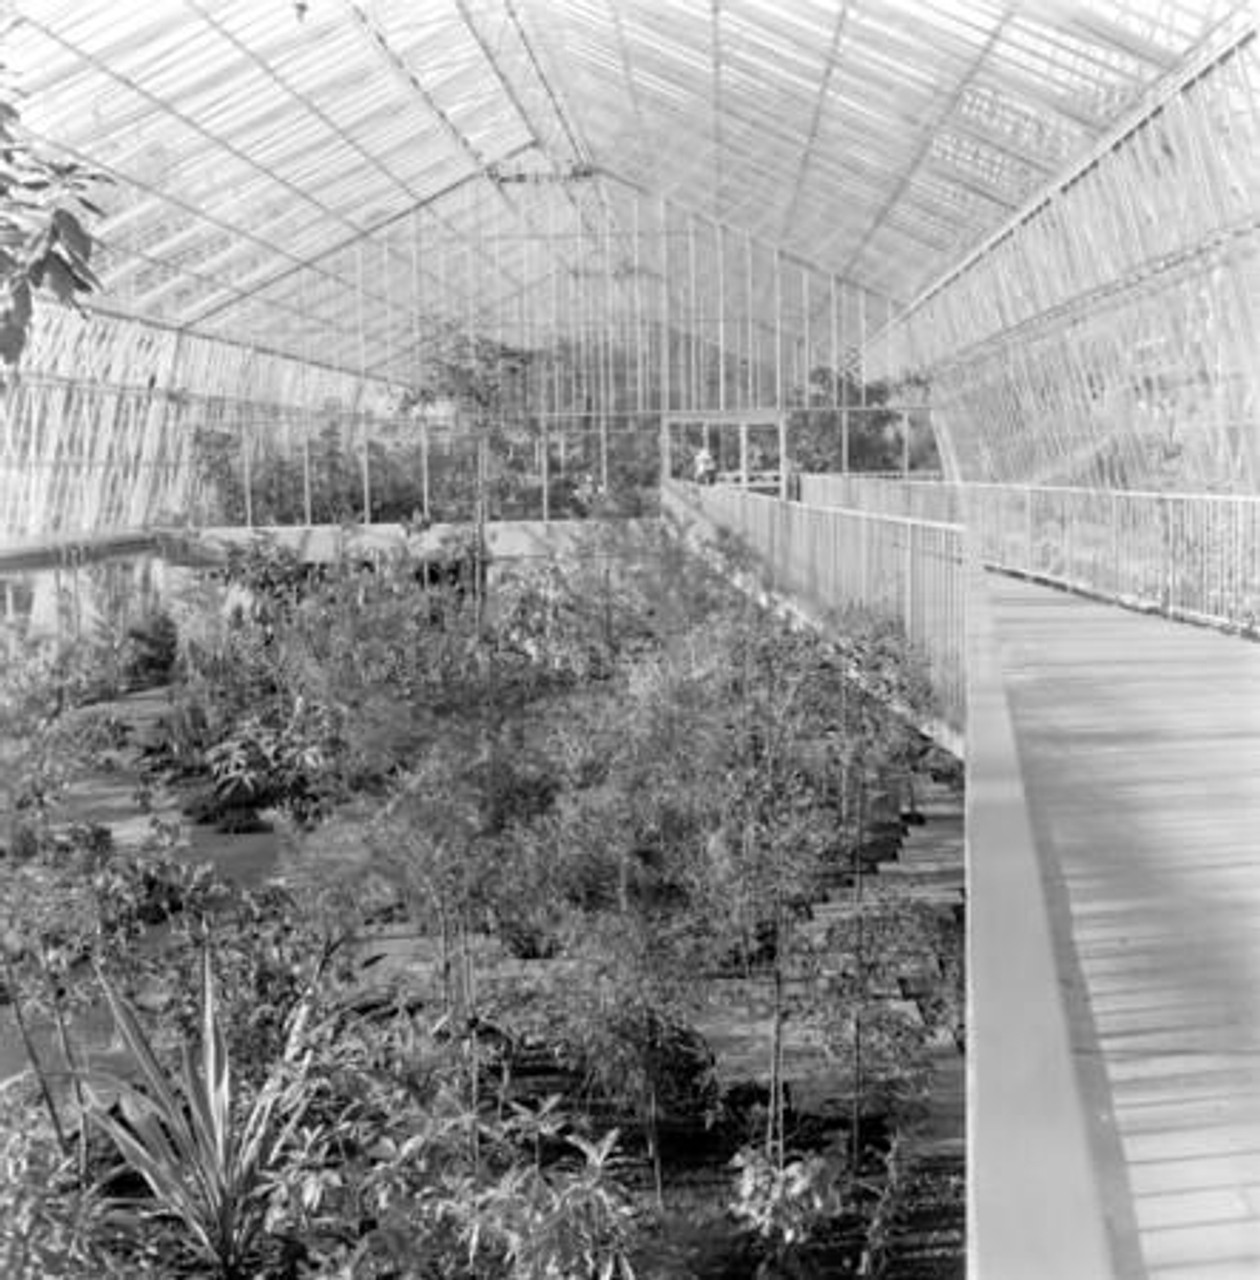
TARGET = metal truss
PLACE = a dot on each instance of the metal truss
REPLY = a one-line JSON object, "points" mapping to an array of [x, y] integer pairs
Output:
{"points": [[655, 206]]}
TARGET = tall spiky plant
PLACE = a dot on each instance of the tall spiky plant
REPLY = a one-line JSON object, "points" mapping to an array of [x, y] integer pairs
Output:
{"points": [[206, 1160]]}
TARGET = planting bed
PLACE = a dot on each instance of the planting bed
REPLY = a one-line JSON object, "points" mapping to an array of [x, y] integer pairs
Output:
{"points": [[625, 937]]}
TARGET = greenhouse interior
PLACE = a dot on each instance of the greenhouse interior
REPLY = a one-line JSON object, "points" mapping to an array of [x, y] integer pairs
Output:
{"points": [[609, 620]]}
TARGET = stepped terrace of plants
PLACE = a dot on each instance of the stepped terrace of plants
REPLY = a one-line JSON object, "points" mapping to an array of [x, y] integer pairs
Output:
{"points": [[536, 842]]}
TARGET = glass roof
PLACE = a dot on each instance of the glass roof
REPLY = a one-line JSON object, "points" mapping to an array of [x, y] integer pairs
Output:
{"points": [[343, 179]]}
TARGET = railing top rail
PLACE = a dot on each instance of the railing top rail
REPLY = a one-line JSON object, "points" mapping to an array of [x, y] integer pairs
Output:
{"points": [[1178, 496], [1023, 487], [948, 526], [891, 474]]}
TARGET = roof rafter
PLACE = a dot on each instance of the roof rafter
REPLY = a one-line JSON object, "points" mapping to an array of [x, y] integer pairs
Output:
{"points": [[219, 142], [365, 233], [815, 124], [719, 143], [925, 146]]}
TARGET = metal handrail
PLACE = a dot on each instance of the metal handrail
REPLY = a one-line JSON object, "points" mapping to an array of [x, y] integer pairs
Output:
{"points": [[1191, 556], [827, 559]]}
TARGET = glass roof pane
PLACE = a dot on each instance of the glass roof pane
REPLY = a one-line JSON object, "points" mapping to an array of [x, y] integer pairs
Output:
{"points": [[253, 148]]}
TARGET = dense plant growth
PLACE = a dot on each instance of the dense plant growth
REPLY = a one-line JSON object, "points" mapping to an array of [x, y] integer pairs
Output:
{"points": [[465, 445], [841, 424], [536, 836], [44, 204]]}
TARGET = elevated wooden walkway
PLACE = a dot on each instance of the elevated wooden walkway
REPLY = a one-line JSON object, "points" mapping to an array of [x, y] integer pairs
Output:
{"points": [[1139, 748]]}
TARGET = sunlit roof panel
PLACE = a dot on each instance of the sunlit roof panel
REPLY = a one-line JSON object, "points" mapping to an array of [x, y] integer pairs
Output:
{"points": [[252, 143]]}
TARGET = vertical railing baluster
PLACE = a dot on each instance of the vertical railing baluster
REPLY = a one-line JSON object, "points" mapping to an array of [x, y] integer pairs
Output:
{"points": [[1028, 561]]}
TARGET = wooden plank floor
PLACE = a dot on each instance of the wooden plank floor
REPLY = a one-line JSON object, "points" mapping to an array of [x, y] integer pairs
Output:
{"points": [[1139, 741]]}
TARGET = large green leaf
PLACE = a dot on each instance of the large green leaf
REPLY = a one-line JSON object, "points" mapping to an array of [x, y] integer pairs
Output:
{"points": [[73, 236], [161, 1095]]}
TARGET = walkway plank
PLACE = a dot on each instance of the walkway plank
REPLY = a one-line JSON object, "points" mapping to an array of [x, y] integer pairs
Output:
{"points": [[1139, 742]]}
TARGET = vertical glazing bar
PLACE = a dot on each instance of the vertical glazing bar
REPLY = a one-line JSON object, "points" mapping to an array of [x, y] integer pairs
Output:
{"points": [[719, 233], [862, 347], [470, 357], [664, 322], [569, 375], [553, 257], [531, 373], [751, 361], [500, 351], [362, 397], [807, 303], [834, 355], [694, 382], [606, 406], [417, 295], [843, 374], [247, 472], [778, 333], [388, 335], [591, 358], [640, 345], [888, 389]]}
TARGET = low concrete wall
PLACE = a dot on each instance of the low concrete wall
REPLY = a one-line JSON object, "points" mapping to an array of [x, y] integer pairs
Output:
{"points": [[1034, 1208], [505, 540], [53, 550]]}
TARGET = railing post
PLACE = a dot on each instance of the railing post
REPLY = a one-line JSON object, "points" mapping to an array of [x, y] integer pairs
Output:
{"points": [[1115, 543], [911, 533], [1028, 528], [783, 457], [1165, 553]]}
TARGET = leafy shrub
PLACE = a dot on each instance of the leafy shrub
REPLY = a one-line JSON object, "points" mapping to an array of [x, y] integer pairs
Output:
{"points": [[153, 646], [785, 1204], [292, 764], [51, 1228]]}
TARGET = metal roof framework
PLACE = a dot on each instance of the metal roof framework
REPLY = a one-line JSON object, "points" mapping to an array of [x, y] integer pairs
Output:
{"points": [[344, 181], [633, 210]]}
